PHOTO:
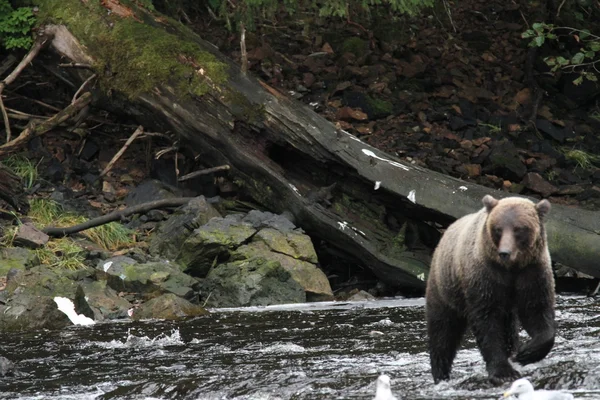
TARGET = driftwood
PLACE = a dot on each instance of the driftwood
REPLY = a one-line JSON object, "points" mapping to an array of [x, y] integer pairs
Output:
{"points": [[116, 215], [382, 211]]}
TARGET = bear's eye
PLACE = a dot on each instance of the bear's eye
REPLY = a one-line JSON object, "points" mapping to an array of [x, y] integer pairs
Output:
{"points": [[497, 231]]}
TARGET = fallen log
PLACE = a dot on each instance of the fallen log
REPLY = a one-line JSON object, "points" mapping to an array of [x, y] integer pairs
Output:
{"points": [[382, 212]]}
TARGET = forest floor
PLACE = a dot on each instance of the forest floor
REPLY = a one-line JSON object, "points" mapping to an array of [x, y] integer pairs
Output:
{"points": [[446, 94]]}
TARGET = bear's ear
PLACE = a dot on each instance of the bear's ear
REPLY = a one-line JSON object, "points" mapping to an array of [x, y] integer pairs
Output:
{"points": [[543, 208], [489, 202]]}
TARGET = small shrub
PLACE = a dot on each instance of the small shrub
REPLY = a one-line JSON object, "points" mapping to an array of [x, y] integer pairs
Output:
{"points": [[15, 26]]}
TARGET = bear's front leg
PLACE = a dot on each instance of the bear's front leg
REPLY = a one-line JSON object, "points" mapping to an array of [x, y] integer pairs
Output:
{"points": [[535, 298], [491, 320]]}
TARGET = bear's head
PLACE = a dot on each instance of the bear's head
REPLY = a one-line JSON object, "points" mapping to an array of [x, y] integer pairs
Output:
{"points": [[515, 227]]}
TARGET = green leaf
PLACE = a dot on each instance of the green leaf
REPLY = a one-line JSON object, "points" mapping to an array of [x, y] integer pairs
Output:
{"points": [[577, 58], [591, 77], [550, 61], [528, 34], [594, 46], [551, 36], [538, 26], [590, 54], [562, 61], [539, 41], [578, 81], [584, 33]]}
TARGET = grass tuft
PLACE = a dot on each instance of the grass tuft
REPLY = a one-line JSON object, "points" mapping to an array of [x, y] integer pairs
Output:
{"points": [[24, 168], [584, 160]]}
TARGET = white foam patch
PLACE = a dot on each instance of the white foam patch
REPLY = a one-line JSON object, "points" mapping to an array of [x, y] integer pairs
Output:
{"points": [[132, 341], [283, 348]]}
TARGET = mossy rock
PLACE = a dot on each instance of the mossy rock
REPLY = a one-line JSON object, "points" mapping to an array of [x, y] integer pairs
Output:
{"points": [[46, 281], [212, 243], [252, 282], [312, 280], [18, 258], [147, 280], [171, 234], [293, 244], [168, 306]]}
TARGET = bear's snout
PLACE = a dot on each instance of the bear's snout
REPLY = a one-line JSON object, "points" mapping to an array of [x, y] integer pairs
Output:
{"points": [[507, 246], [504, 255]]}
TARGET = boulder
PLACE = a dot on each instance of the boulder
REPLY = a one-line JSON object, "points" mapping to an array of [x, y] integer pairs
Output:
{"points": [[25, 311], [171, 234], [30, 298], [103, 300], [212, 242], [251, 282], [307, 275], [168, 306], [147, 280]]}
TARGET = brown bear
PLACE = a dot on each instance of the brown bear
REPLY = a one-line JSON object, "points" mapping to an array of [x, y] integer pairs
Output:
{"points": [[490, 271]]}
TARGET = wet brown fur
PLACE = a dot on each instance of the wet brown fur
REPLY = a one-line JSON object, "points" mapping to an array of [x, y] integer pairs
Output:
{"points": [[469, 284]]}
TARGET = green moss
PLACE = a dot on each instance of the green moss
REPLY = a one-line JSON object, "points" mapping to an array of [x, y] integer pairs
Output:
{"points": [[355, 45], [379, 108], [133, 57]]}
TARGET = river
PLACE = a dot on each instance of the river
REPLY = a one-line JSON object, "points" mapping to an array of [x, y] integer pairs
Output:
{"points": [[331, 350]]}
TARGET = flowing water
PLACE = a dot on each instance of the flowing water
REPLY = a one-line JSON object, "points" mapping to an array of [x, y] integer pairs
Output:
{"points": [[308, 351]]}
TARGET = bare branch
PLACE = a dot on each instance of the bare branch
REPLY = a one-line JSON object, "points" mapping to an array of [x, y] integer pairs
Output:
{"points": [[204, 172], [117, 216], [138, 131]]}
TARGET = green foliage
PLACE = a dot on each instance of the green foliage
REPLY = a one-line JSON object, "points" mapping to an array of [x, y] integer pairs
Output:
{"points": [[583, 61], [249, 12], [15, 26]]}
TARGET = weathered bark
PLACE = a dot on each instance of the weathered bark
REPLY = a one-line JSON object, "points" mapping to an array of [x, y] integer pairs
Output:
{"points": [[11, 190], [285, 155]]}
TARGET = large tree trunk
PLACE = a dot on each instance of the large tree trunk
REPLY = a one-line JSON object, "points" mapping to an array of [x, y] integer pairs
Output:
{"points": [[381, 211]]}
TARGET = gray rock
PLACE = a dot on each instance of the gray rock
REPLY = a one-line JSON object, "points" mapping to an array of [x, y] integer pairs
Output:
{"points": [[151, 190], [171, 235], [168, 306], [103, 301], [27, 312], [29, 236]]}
